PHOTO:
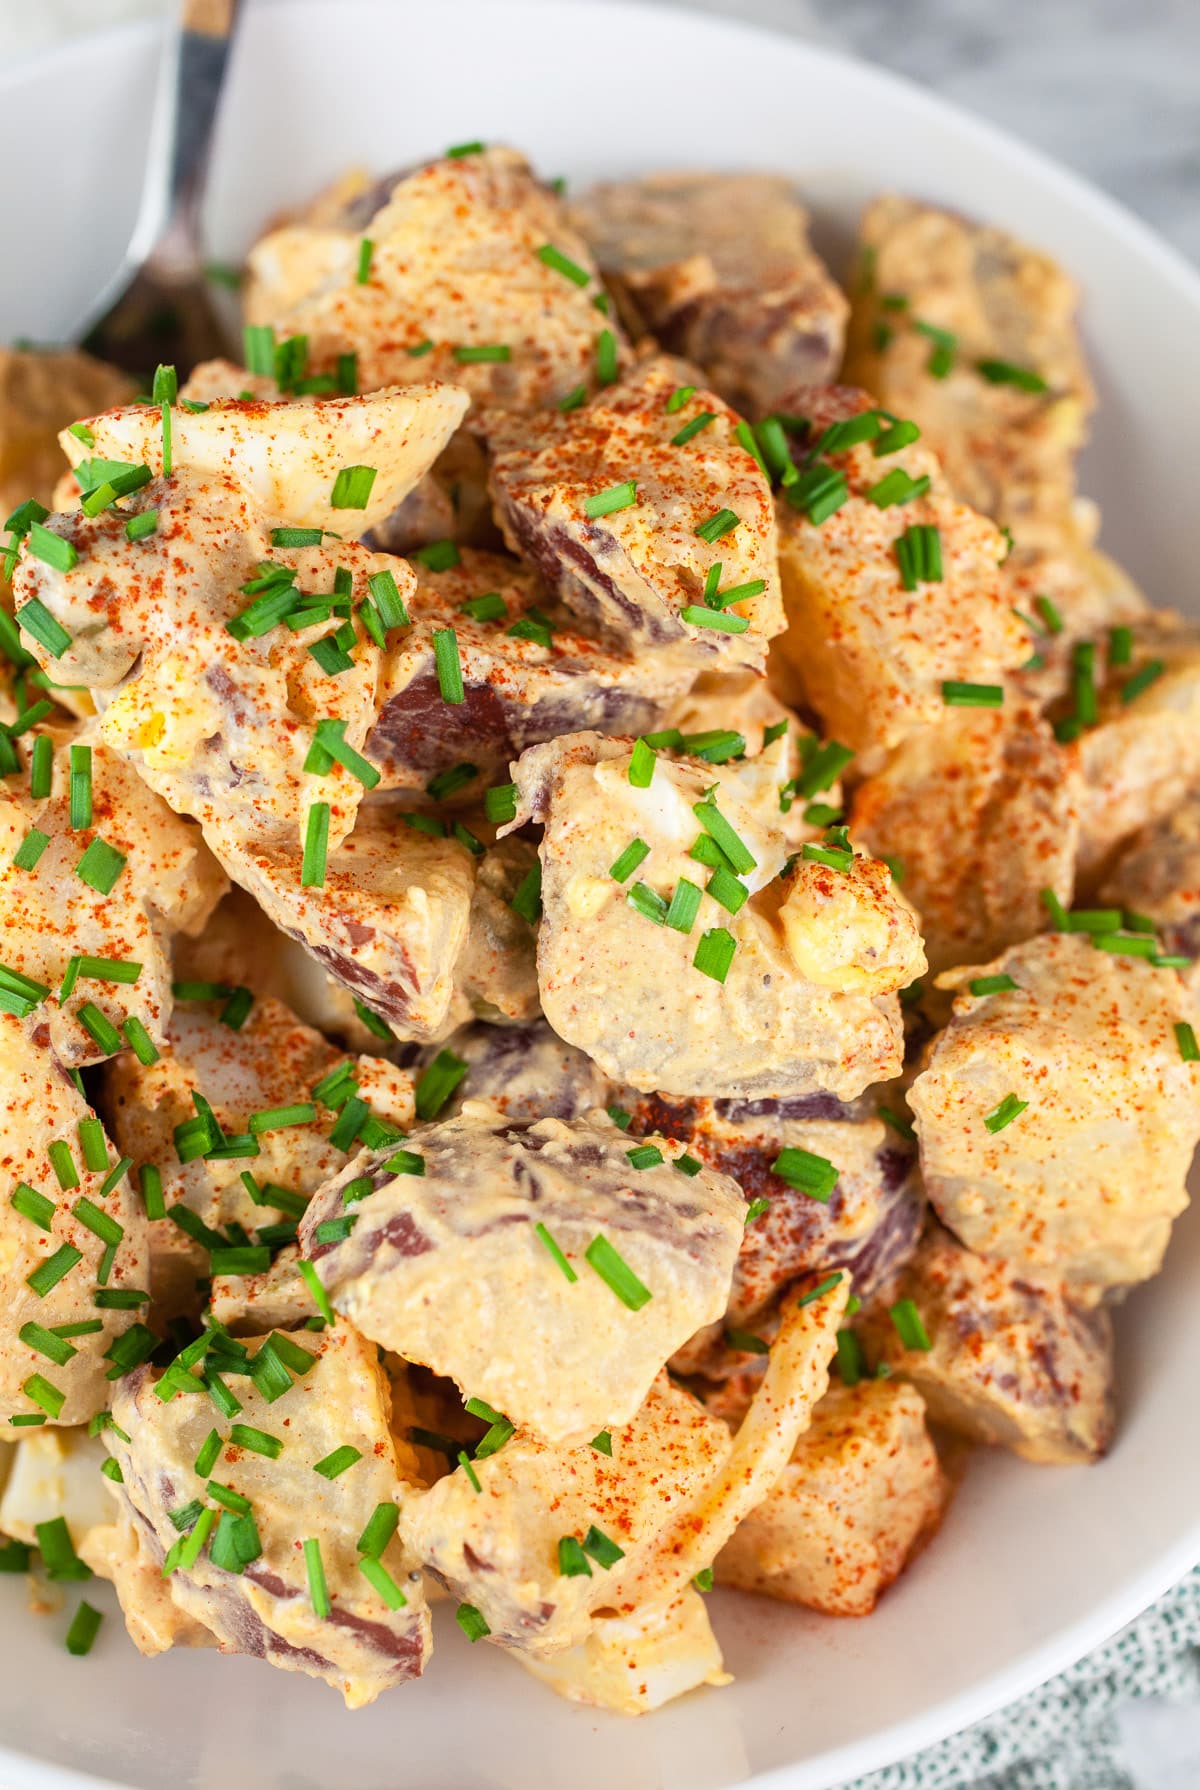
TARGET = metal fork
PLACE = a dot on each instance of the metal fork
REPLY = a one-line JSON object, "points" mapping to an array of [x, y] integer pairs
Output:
{"points": [[158, 306]]}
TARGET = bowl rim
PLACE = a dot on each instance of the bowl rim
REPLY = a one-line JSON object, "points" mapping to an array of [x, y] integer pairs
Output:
{"points": [[1036, 1666]]}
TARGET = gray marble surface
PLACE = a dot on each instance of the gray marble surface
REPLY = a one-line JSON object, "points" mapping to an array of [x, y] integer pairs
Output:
{"points": [[1110, 87]]}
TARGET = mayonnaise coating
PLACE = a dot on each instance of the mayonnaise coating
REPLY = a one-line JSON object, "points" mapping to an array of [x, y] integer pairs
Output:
{"points": [[446, 1265], [1084, 1183], [808, 1000], [262, 1600]]}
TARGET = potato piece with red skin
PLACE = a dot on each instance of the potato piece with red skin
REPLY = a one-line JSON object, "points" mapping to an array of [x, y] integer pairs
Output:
{"points": [[609, 504], [446, 1264], [807, 998], [1142, 756], [455, 289], [867, 1225], [1083, 1182], [720, 269], [1008, 444], [169, 884], [265, 1604], [517, 690], [870, 657], [862, 1491], [1157, 877], [981, 814], [42, 1107], [1013, 1360]]}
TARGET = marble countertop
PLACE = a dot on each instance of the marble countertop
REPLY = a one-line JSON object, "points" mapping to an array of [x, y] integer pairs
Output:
{"points": [[1110, 87]]}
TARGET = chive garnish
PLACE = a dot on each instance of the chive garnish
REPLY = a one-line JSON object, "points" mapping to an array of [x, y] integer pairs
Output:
{"points": [[1010, 1108], [909, 1327], [807, 1172], [616, 1273], [555, 1252]]}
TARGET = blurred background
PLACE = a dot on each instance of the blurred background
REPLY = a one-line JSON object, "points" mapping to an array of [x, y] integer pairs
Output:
{"points": [[1111, 87]]}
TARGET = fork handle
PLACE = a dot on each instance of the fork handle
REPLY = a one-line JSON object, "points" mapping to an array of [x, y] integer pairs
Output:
{"points": [[204, 47]]}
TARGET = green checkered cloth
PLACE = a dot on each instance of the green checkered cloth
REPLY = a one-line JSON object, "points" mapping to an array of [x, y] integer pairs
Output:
{"points": [[1066, 1736]]}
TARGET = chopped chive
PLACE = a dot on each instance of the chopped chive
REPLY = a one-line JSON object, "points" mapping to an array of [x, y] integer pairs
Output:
{"points": [[1185, 1037], [379, 1530], [727, 890], [807, 1172], [717, 526], [679, 397], [206, 1460], [449, 665], [714, 953], [1120, 646], [919, 555], [554, 258], [697, 617], [691, 429], [756, 1208], [620, 1117], [99, 1028], [500, 803], [320, 1297], [100, 866], [527, 900], [81, 787], [352, 488], [603, 1550], [14, 1556], [384, 589], [648, 903], [1119, 945], [641, 765], [437, 556], [747, 1343], [717, 745], [897, 487], [243, 1435], [909, 1327], [37, 620], [602, 1443], [607, 503], [115, 1175], [616, 1273], [472, 1622], [548, 1241], [63, 1164], [485, 352], [687, 1165], [644, 1156], [48, 1274], [381, 1580], [1010, 1108], [901, 434], [1142, 679], [332, 1466], [437, 1083], [406, 1162], [719, 829], [607, 368], [41, 768], [819, 492], [972, 696], [984, 985], [316, 846], [29, 852], [572, 1561], [318, 1591], [46, 1342], [575, 399], [735, 593], [684, 906], [1002, 372]]}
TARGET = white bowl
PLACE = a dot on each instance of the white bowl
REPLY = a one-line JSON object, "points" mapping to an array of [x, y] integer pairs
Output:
{"points": [[1034, 1565]]}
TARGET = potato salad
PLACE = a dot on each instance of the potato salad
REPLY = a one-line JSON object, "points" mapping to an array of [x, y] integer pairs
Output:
{"points": [[601, 930]]}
